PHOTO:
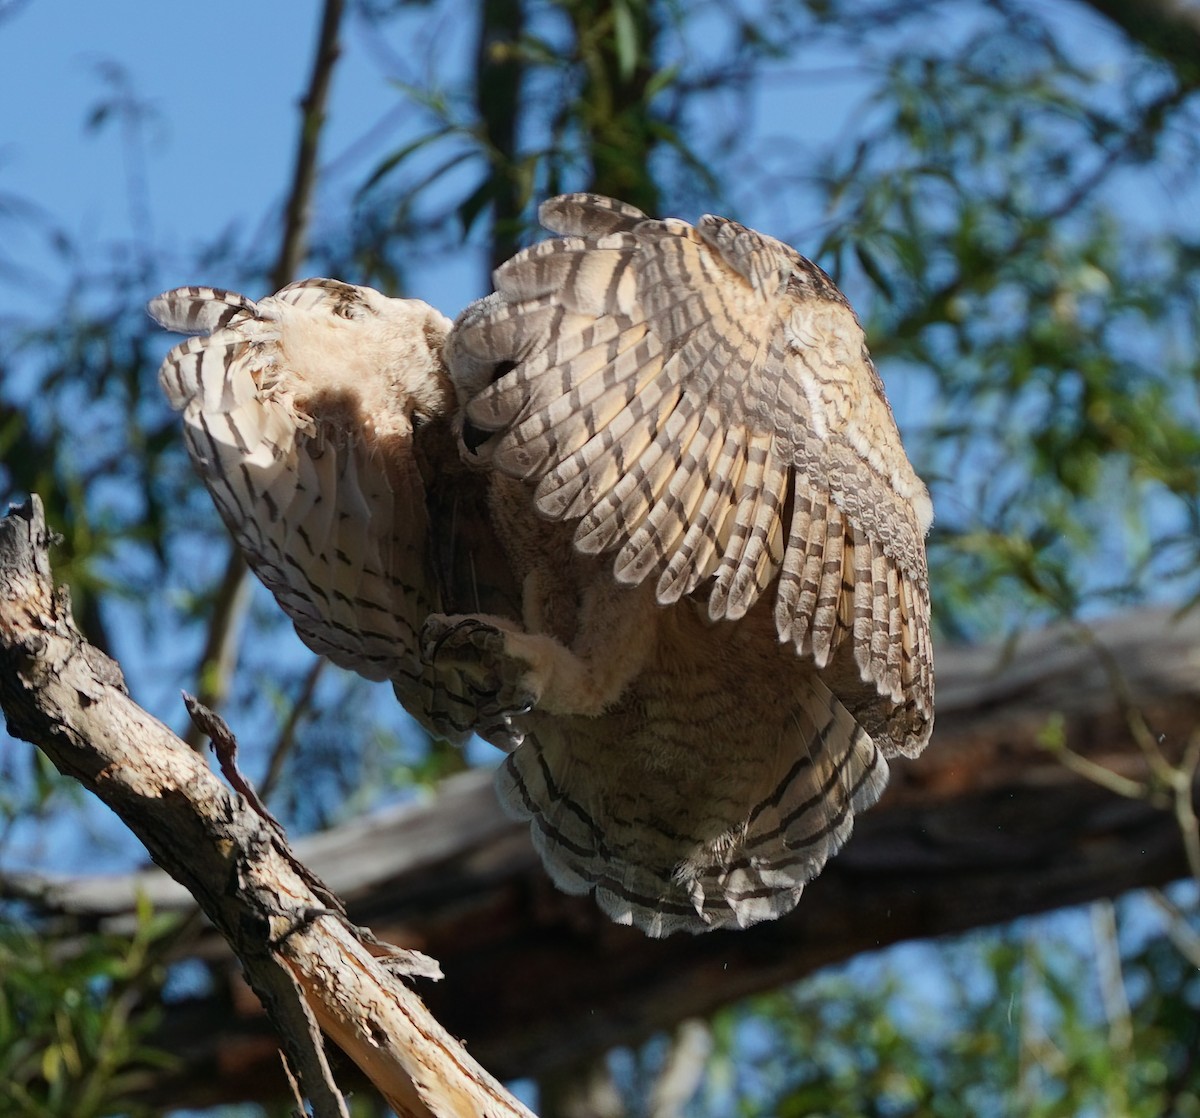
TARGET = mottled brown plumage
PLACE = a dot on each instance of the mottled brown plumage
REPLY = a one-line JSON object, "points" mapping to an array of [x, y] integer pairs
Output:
{"points": [[641, 517]]}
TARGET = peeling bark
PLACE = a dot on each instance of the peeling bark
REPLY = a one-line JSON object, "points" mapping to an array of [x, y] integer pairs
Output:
{"points": [[305, 962]]}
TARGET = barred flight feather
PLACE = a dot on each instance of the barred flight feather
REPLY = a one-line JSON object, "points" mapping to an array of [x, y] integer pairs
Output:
{"points": [[605, 470]]}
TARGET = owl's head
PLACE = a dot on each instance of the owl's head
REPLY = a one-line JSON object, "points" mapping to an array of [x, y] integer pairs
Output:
{"points": [[381, 357]]}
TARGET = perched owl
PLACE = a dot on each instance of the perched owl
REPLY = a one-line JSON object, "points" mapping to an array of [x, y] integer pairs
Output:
{"points": [[641, 518]]}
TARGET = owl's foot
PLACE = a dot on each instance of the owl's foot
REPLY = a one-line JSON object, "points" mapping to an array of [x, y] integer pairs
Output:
{"points": [[482, 652]]}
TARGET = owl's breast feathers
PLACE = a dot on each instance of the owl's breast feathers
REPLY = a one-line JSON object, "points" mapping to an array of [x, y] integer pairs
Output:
{"points": [[641, 517]]}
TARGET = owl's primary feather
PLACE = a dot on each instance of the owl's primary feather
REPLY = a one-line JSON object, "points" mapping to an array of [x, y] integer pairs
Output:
{"points": [[641, 517]]}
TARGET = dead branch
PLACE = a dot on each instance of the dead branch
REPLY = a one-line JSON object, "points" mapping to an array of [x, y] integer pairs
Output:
{"points": [[301, 957]]}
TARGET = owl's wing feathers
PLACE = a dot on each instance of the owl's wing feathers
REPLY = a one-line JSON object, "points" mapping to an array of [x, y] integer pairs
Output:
{"points": [[315, 481], [701, 400]]}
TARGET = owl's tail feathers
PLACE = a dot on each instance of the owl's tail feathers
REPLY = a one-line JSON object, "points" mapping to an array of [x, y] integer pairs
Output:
{"points": [[791, 833], [336, 534], [585, 849], [716, 868]]}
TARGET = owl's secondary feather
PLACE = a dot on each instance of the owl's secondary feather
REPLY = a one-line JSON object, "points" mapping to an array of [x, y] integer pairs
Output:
{"points": [[641, 517]]}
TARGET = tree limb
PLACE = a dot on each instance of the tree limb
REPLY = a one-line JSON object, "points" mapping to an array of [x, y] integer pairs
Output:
{"points": [[294, 245], [304, 961]]}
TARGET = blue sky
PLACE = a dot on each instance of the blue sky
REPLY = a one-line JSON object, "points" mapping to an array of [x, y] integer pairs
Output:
{"points": [[223, 83], [223, 88], [204, 77]]}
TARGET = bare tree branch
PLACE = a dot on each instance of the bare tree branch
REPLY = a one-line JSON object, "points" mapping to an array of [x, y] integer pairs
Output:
{"points": [[297, 213], [218, 661], [285, 741], [304, 961], [499, 73]]}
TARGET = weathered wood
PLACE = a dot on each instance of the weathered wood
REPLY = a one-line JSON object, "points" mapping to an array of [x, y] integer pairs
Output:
{"points": [[304, 962], [986, 826]]}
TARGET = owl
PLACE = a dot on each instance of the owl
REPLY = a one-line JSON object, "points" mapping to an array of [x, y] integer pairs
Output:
{"points": [[641, 518]]}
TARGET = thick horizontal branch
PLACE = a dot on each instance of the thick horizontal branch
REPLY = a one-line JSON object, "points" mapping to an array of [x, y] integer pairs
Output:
{"points": [[986, 826], [303, 960]]}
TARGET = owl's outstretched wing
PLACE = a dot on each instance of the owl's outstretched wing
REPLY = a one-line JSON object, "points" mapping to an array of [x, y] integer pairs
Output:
{"points": [[299, 414], [701, 401]]}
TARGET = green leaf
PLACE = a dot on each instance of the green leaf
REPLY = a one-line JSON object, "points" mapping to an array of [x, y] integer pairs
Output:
{"points": [[386, 166], [625, 39]]}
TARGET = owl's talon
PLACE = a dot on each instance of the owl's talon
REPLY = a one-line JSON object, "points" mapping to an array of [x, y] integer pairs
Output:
{"points": [[479, 651], [519, 701], [443, 638]]}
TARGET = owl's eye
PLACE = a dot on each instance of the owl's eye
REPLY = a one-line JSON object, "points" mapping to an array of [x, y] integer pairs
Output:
{"points": [[502, 368]]}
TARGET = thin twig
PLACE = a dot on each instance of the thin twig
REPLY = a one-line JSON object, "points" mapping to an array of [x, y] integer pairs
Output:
{"points": [[1179, 931], [1135, 719], [1183, 785], [1112, 980], [683, 1069], [933, 302], [219, 658], [1100, 775], [298, 212], [1179, 780], [287, 732]]}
